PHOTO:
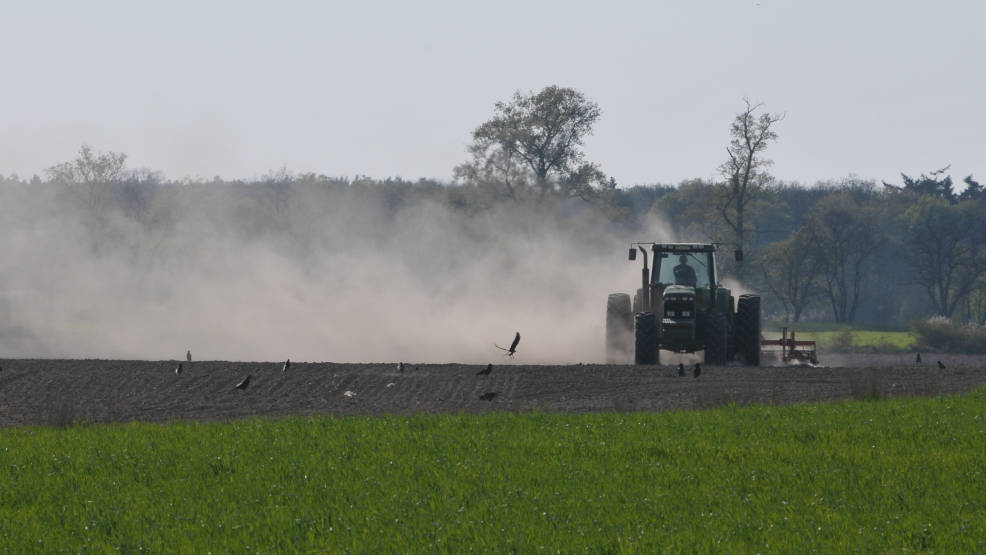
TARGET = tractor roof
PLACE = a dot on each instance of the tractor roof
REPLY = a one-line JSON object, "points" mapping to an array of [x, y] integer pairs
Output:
{"points": [[683, 247]]}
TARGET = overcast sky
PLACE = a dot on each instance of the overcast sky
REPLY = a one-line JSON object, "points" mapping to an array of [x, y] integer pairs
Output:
{"points": [[236, 89]]}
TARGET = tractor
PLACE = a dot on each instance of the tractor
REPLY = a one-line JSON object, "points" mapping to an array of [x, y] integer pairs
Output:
{"points": [[681, 307]]}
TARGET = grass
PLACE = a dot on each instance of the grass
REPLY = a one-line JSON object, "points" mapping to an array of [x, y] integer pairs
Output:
{"points": [[892, 474]]}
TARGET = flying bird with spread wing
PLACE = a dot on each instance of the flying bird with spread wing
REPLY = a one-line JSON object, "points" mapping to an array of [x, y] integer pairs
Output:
{"points": [[243, 384], [513, 346]]}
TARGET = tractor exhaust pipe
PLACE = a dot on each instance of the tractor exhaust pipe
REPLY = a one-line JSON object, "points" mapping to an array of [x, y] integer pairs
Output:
{"points": [[645, 283]]}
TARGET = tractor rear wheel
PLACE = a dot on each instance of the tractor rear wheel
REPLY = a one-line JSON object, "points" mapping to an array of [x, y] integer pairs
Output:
{"points": [[645, 339], [717, 340], [619, 328], [748, 328]]}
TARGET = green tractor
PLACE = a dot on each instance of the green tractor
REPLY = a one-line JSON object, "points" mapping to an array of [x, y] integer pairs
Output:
{"points": [[682, 308]]}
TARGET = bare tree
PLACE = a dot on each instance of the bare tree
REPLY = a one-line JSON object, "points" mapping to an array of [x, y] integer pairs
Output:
{"points": [[93, 172], [537, 137], [745, 170]]}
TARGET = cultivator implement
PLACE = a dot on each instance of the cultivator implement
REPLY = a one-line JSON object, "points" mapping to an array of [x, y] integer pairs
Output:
{"points": [[790, 349]]}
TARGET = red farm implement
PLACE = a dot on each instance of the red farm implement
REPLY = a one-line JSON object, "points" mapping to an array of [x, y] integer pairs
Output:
{"points": [[790, 349]]}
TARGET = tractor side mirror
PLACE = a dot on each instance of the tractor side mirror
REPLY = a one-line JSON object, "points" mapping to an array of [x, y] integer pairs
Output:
{"points": [[739, 255], [633, 253]]}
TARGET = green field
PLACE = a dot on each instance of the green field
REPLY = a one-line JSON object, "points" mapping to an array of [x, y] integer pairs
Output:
{"points": [[891, 474]]}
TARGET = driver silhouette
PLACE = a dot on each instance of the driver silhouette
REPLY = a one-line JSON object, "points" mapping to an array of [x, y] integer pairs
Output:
{"points": [[683, 273]]}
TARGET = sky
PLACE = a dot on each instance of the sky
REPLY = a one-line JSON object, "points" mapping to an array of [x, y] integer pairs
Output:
{"points": [[239, 89]]}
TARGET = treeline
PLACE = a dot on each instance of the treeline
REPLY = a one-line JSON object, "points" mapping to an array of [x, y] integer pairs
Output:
{"points": [[846, 251]]}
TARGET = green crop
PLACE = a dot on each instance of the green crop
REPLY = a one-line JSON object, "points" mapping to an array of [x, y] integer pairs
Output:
{"points": [[894, 474]]}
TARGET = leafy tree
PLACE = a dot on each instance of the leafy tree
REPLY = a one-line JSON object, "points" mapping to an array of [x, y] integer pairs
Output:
{"points": [[746, 169], [844, 235], [936, 184], [536, 140], [790, 272], [946, 246]]}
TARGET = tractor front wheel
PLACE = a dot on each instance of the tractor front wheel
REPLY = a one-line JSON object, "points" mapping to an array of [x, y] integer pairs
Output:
{"points": [[645, 340], [717, 341]]}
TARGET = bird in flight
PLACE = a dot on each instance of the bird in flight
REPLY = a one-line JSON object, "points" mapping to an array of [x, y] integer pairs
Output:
{"points": [[486, 371], [681, 369], [488, 396], [698, 369], [188, 355], [940, 365], [178, 369], [287, 364], [513, 346], [243, 384]]}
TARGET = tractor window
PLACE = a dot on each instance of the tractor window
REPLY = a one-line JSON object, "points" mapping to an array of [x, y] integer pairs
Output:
{"points": [[688, 268]]}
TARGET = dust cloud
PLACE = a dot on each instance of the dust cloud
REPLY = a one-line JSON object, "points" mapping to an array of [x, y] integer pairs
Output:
{"points": [[317, 272]]}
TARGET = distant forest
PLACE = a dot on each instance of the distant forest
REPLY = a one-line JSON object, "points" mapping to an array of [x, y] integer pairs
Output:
{"points": [[849, 251]]}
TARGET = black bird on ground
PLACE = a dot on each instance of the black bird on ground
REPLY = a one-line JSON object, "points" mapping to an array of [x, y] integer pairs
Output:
{"points": [[400, 366], [188, 355], [486, 372], [287, 364], [178, 369], [488, 396], [681, 369], [243, 384], [940, 365], [698, 369], [513, 346], [917, 358]]}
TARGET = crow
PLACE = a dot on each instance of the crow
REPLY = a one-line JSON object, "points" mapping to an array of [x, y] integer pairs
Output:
{"points": [[486, 372], [178, 369], [400, 366], [287, 364], [940, 365], [188, 355], [488, 396], [698, 369], [681, 369], [243, 384], [513, 346], [917, 358]]}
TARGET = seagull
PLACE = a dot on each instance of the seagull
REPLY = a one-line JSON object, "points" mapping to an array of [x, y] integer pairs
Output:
{"points": [[243, 384], [287, 364], [698, 369], [917, 358], [486, 372], [488, 396], [400, 366], [513, 346], [681, 369], [188, 355], [178, 369], [940, 365]]}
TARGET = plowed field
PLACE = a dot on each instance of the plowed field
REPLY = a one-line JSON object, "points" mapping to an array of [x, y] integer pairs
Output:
{"points": [[62, 392]]}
